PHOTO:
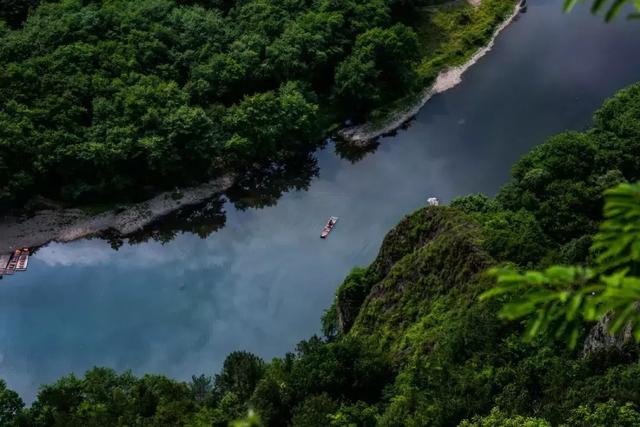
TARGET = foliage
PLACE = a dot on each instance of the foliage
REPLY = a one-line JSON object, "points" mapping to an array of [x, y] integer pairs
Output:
{"points": [[107, 97], [301, 383], [103, 397], [359, 414], [10, 405], [498, 419], [251, 420], [422, 349], [15, 12], [111, 101], [609, 414], [514, 236], [381, 62], [239, 376], [314, 411], [617, 244], [558, 299], [611, 9]]}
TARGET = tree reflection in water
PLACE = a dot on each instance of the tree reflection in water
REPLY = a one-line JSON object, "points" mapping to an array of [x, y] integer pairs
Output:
{"points": [[260, 186], [354, 153]]}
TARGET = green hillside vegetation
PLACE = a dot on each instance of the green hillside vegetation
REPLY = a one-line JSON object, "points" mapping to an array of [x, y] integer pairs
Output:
{"points": [[104, 101], [408, 341]]}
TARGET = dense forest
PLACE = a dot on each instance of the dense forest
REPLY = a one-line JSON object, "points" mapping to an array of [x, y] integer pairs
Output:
{"points": [[112, 100], [407, 341]]}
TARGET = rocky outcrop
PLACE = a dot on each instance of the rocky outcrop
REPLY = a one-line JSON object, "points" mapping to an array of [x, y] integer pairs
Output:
{"points": [[434, 244], [599, 338], [349, 298], [431, 255]]}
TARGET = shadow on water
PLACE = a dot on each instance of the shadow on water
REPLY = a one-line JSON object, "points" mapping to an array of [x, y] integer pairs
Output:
{"points": [[262, 186], [354, 153], [259, 187], [202, 220], [261, 281]]}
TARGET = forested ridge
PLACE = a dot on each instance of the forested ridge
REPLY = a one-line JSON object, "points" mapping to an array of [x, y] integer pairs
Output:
{"points": [[407, 341], [107, 100]]}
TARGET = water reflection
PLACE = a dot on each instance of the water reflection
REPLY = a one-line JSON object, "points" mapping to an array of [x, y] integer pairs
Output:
{"points": [[259, 187], [354, 153], [262, 186], [261, 282], [201, 220]]}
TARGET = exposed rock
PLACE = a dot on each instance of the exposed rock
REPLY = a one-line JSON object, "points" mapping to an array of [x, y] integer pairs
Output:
{"points": [[599, 338], [349, 298], [65, 225], [413, 232], [431, 253]]}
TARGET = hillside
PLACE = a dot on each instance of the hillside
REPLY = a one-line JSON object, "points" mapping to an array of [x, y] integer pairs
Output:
{"points": [[111, 102], [407, 342]]}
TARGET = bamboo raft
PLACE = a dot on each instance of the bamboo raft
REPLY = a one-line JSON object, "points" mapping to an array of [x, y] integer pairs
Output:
{"points": [[16, 261]]}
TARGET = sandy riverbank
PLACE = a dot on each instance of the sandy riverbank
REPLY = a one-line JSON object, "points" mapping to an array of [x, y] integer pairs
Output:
{"points": [[65, 225], [365, 133]]}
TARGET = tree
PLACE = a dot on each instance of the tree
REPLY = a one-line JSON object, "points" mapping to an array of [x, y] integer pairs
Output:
{"points": [[240, 373], [315, 411], [514, 236], [612, 8], [381, 63], [498, 418], [556, 301], [200, 387], [10, 405], [15, 12], [102, 99], [609, 414], [270, 124]]}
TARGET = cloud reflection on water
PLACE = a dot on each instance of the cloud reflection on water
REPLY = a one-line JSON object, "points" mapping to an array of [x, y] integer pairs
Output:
{"points": [[262, 282]]}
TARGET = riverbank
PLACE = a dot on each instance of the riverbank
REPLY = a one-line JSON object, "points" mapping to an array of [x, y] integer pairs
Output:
{"points": [[69, 224], [65, 225], [365, 133]]}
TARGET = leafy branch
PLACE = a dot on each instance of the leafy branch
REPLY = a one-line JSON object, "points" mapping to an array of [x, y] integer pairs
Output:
{"points": [[612, 8], [557, 301]]}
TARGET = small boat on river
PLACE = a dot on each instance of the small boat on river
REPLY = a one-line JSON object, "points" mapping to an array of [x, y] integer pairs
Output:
{"points": [[11, 267], [4, 262], [23, 260], [327, 228], [17, 261]]}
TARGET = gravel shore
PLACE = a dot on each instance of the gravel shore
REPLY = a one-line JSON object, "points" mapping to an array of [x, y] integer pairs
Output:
{"points": [[365, 133], [65, 225]]}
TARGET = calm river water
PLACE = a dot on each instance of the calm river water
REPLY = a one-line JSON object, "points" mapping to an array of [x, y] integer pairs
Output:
{"points": [[262, 282]]}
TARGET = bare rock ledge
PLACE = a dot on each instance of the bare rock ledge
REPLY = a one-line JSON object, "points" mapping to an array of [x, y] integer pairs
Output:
{"points": [[65, 225]]}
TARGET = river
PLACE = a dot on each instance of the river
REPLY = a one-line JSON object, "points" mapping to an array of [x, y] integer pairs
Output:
{"points": [[262, 282]]}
